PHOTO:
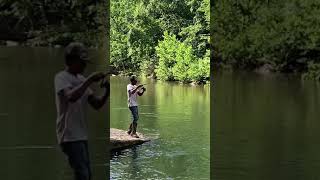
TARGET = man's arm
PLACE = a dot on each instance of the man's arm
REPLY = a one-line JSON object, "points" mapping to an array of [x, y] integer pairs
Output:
{"points": [[98, 102], [73, 94], [134, 90]]}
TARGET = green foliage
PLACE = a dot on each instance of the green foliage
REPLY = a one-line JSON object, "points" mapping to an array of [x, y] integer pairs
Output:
{"points": [[200, 70], [137, 28], [197, 33], [313, 71], [133, 34], [184, 61], [58, 22], [178, 62], [248, 34], [166, 52]]}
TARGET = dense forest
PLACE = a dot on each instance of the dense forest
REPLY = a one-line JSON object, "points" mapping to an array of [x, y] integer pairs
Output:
{"points": [[50, 22], [283, 36], [162, 38]]}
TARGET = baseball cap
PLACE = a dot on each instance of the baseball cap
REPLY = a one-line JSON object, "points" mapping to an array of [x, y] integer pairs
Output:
{"points": [[77, 51]]}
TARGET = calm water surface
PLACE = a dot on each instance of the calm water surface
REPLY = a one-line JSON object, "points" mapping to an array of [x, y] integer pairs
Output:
{"points": [[176, 117], [265, 128]]}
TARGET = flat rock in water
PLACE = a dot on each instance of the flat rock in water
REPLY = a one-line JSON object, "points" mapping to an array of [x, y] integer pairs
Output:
{"points": [[119, 139]]}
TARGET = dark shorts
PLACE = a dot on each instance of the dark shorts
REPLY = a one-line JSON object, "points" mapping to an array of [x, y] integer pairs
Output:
{"points": [[135, 114], [78, 157]]}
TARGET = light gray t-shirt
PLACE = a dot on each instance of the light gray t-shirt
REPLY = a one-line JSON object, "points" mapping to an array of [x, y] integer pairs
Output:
{"points": [[132, 98], [71, 124]]}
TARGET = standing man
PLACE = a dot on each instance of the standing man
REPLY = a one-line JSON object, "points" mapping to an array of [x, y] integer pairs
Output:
{"points": [[72, 95], [133, 90]]}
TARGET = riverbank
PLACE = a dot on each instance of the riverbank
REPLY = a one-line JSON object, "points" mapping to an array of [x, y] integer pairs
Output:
{"points": [[55, 40], [112, 70], [311, 72], [128, 74]]}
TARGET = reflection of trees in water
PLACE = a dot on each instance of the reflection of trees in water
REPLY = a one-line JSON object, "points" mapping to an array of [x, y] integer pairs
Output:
{"points": [[148, 104], [270, 120]]}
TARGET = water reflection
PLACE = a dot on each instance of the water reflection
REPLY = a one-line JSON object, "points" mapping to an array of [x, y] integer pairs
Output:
{"points": [[270, 130]]}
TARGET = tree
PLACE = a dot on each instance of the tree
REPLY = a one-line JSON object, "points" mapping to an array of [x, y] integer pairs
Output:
{"points": [[138, 27], [178, 62], [284, 34]]}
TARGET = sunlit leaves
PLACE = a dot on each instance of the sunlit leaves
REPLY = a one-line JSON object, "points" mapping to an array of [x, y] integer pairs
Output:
{"points": [[178, 62]]}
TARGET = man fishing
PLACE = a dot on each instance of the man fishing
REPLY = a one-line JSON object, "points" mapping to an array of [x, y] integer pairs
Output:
{"points": [[132, 91], [72, 93]]}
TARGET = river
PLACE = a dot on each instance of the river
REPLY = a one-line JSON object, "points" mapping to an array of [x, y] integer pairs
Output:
{"points": [[176, 117], [265, 127]]}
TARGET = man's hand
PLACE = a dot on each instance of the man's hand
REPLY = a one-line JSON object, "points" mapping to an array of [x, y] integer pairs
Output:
{"points": [[141, 93], [96, 76], [135, 89]]}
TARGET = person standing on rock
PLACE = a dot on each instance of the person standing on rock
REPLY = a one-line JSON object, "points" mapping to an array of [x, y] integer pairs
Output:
{"points": [[133, 90], [72, 93]]}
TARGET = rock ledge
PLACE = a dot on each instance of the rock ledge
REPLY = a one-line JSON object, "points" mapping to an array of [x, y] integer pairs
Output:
{"points": [[119, 139]]}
